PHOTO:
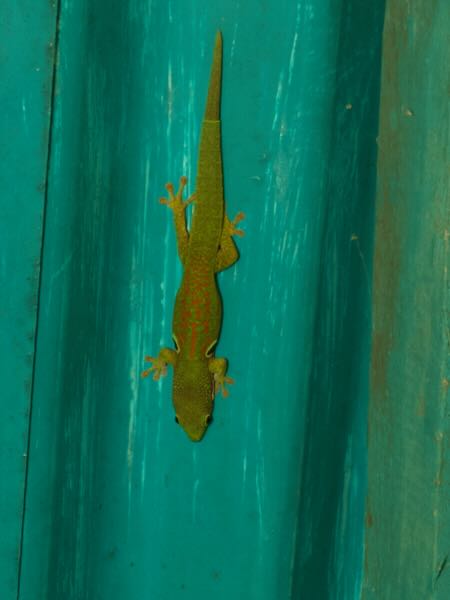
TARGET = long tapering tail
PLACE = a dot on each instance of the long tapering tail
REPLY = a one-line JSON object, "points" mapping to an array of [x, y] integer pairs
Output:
{"points": [[212, 110]]}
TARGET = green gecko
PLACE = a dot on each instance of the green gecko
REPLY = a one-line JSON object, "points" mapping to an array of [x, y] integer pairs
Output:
{"points": [[198, 375]]}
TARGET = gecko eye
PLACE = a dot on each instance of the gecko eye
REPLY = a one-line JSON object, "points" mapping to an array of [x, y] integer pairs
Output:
{"points": [[176, 420], [208, 420]]}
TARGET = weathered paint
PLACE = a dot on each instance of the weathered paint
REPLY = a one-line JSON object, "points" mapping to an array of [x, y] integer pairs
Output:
{"points": [[408, 505], [26, 70]]}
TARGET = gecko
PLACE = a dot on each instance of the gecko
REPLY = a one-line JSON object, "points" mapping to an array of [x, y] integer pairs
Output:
{"points": [[206, 249]]}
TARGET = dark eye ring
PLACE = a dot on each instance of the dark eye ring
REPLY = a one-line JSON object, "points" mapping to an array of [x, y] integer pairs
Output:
{"points": [[176, 420], [208, 420]]}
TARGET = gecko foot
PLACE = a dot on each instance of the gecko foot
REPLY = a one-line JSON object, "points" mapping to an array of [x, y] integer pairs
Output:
{"points": [[159, 367], [219, 384], [230, 226], [175, 201]]}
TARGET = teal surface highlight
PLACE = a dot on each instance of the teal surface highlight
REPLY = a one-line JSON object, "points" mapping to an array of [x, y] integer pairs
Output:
{"points": [[120, 504], [26, 68]]}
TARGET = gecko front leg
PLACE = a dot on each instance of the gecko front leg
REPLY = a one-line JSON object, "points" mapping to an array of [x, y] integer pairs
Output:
{"points": [[166, 356], [176, 203], [218, 368]]}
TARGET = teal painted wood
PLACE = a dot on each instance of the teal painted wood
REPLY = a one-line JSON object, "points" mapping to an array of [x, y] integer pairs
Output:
{"points": [[408, 506], [26, 68], [333, 480], [270, 504]]}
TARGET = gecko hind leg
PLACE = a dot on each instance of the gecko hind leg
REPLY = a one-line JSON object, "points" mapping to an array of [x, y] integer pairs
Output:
{"points": [[178, 206], [228, 253]]}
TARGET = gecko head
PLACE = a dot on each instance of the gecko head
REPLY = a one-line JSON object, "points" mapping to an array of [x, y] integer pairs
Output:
{"points": [[193, 397]]}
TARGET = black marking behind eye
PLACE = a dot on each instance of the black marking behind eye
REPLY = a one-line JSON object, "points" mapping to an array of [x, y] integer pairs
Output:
{"points": [[176, 420], [210, 349], [175, 341], [209, 420]]}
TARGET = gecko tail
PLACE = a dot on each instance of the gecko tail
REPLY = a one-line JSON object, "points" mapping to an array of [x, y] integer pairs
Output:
{"points": [[212, 110]]}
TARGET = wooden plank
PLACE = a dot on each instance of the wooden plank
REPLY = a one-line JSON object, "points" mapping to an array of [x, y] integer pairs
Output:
{"points": [[26, 71], [408, 505], [270, 504]]}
